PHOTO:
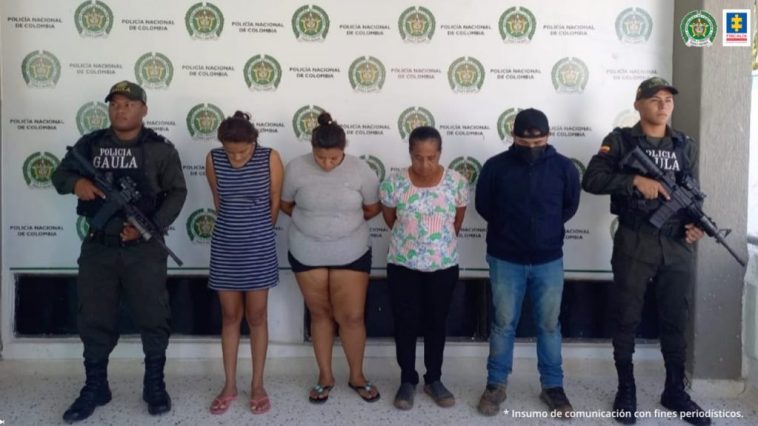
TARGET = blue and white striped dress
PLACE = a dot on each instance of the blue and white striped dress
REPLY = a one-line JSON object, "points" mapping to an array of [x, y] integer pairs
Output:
{"points": [[243, 249]]}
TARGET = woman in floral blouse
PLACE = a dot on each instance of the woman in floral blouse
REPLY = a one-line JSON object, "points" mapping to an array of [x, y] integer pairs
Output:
{"points": [[424, 206]]}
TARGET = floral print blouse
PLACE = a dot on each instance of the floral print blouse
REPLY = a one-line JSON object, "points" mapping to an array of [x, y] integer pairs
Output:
{"points": [[423, 236]]}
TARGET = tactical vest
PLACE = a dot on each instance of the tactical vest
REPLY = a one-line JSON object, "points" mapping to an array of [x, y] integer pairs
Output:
{"points": [[637, 207], [115, 167]]}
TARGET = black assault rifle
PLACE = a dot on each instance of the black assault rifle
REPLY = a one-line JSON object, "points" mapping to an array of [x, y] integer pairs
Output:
{"points": [[684, 196], [118, 198]]}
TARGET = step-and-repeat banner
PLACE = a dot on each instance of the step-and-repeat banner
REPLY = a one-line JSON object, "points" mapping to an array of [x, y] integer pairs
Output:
{"points": [[380, 68]]}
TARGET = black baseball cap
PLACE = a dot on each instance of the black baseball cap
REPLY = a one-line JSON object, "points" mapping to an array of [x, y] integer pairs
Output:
{"points": [[531, 123], [652, 85], [131, 90]]}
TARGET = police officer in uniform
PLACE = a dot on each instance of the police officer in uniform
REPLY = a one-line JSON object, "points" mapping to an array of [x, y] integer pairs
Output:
{"points": [[116, 262], [643, 254]]}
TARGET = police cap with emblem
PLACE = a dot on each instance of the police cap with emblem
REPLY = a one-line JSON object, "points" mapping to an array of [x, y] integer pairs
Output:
{"points": [[652, 85], [131, 90]]}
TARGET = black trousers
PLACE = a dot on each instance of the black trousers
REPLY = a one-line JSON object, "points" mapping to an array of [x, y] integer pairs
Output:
{"points": [[136, 273], [420, 304], [669, 263]]}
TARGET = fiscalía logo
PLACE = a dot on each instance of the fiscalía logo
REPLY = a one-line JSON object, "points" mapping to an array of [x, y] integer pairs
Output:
{"points": [[203, 121], [414, 117], [698, 29], [154, 71], [505, 124], [376, 165], [580, 167], [367, 74], [310, 23], [204, 21], [737, 27], [262, 72], [82, 227], [634, 25], [468, 167], [305, 120], [93, 19], [38, 169], [517, 25], [570, 75], [466, 75], [416, 25], [92, 116], [200, 225], [41, 69]]}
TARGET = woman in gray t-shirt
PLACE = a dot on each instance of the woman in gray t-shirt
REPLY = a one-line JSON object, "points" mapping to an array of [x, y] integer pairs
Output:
{"points": [[330, 195]]}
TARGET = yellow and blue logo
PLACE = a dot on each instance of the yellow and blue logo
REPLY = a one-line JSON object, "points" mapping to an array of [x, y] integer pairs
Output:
{"points": [[736, 27]]}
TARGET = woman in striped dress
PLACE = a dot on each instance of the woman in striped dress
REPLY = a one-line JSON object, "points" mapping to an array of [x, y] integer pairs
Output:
{"points": [[246, 181]]}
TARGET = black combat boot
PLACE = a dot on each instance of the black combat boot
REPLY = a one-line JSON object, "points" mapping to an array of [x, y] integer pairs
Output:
{"points": [[676, 399], [154, 389], [94, 393], [625, 403]]}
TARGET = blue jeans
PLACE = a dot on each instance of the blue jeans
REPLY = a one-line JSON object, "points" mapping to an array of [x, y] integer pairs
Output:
{"points": [[510, 282]]}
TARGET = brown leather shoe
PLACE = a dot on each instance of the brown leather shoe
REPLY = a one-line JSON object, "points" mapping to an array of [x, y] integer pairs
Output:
{"points": [[492, 397]]}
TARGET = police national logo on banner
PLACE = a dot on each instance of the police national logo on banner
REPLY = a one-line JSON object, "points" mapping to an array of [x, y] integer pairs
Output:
{"points": [[154, 71], [634, 25], [367, 74], [262, 72], [376, 165], [204, 21], [505, 124], [626, 118], [310, 23], [305, 120], [416, 25], [580, 167], [38, 169], [570, 75], [414, 117], [92, 116], [203, 121], [698, 29], [468, 167], [93, 19], [517, 25], [466, 75], [200, 225], [82, 227], [41, 69]]}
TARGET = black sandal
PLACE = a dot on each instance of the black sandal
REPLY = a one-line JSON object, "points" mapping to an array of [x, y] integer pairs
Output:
{"points": [[320, 392], [367, 387]]}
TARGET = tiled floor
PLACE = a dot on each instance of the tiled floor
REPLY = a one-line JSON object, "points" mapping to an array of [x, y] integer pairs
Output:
{"points": [[37, 393]]}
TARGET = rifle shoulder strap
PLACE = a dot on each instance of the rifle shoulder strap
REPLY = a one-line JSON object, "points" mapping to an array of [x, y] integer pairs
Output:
{"points": [[680, 142]]}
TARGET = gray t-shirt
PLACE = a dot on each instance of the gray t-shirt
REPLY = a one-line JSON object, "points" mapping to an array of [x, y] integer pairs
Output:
{"points": [[327, 227]]}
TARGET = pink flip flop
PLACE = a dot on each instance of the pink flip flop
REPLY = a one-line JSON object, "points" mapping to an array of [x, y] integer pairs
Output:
{"points": [[221, 404], [260, 405]]}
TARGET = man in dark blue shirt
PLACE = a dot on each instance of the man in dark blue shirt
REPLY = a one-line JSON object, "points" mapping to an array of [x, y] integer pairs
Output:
{"points": [[526, 194]]}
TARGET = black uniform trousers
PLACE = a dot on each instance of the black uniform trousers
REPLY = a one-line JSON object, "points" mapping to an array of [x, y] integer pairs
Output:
{"points": [[420, 304], [109, 271], [641, 257]]}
